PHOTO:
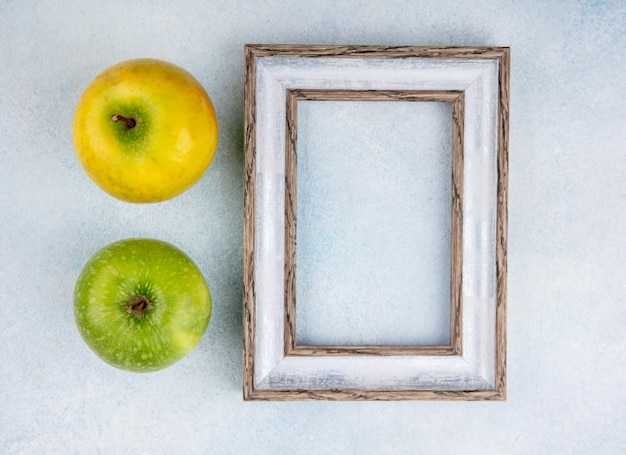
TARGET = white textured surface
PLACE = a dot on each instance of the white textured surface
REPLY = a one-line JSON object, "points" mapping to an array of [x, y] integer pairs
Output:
{"points": [[384, 373], [478, 80], [567, 253]]}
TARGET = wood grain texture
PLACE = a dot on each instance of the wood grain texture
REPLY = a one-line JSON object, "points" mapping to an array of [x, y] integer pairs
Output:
{"points": [[249, 223], [502, 218], [456, 310], [250, 390], [456, 219], [374, 395], [332, 350], [351, 51], [445, 96], [290, 221]]}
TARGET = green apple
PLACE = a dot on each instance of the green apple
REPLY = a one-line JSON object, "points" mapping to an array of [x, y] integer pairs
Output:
{"points": [[145, 130], [141, 304]]}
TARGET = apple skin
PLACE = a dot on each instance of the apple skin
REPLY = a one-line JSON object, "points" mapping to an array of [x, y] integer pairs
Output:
{"points": [[171, 144], [179, 309]]}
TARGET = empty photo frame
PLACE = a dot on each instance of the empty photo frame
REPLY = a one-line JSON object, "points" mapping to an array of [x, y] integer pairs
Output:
{"points": [[475, 81]]}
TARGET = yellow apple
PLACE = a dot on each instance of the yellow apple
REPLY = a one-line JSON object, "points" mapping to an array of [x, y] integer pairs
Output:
{"points": [[145, 130]]}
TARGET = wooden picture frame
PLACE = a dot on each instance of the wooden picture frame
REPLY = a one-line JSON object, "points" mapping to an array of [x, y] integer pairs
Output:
{"points": [[473, 365]]}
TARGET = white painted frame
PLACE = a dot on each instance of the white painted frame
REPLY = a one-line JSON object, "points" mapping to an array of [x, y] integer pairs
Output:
{"points": [[478, 371]]}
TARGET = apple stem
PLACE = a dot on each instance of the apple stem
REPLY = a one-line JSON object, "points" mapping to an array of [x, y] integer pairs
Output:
{"points": [[129, 122], [138, 305]]}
